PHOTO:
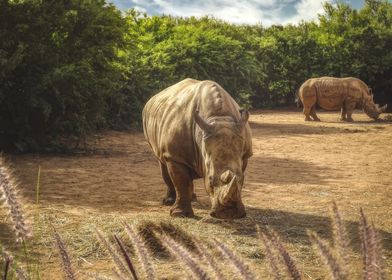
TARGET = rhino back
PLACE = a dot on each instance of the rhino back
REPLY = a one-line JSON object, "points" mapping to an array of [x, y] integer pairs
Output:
{"points": [[168, 121]]}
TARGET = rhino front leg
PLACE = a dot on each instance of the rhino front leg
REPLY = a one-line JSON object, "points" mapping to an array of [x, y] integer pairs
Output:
{"points": [[349, 110], [170, 197], [343, 113], [181, 177]]}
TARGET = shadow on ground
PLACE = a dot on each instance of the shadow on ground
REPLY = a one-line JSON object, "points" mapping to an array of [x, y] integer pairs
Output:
{"points": [[293, 227], [260, 129], [271, 170]]}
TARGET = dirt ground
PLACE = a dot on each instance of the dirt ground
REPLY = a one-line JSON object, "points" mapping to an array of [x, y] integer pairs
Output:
{"points": [[297, 169]]}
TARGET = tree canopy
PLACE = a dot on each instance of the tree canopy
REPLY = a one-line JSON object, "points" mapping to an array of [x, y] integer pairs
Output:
{"points": [[71, 67]]}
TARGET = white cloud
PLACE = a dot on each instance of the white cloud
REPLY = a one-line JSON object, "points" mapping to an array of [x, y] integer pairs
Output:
{"points": [[140, 9], [240, 11], [266, 12], [307, 10]]}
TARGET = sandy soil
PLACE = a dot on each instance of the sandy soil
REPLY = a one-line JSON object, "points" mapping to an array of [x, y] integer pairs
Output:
{"points": [[297, 169]]}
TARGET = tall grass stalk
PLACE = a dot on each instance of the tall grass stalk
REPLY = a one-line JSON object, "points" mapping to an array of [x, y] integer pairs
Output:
{"points": [[185, 258], [235, 261], [8, 186], [142, 252], [128, 261], [121, 267], [66, 260], [326, 253], [37, 186], [269, 253]]}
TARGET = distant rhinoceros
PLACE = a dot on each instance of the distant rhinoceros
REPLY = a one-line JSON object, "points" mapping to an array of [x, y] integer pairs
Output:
{"points": [[197, 130], [345, 94]]}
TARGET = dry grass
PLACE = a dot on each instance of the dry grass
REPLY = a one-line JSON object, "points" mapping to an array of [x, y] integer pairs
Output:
{"points": [[297, 170]]}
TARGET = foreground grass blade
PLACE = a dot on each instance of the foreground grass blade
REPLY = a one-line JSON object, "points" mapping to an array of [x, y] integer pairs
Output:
{"points": [[66, 261], [126, 257]]}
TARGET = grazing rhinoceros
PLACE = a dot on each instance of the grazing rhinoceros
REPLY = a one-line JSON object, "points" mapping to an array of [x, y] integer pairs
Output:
{"points": [[345, 94], [197, 130]]}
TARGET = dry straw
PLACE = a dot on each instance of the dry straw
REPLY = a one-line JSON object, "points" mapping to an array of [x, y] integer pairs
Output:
{"points": [[8, 186]]}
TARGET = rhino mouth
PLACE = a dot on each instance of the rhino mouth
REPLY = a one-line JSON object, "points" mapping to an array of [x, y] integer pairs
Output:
{"points": [[232, 211], [228, 213]]}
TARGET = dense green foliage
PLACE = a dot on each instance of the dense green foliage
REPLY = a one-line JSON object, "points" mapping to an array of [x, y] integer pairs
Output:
{"points": [[68, 68], [57, 69]]}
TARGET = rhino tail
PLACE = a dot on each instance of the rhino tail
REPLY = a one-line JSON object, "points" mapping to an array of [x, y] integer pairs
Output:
{"points": [[298, 100]]}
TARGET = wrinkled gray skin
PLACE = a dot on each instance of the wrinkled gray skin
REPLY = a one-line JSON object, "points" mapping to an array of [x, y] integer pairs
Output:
{"points": [[196, 130]]}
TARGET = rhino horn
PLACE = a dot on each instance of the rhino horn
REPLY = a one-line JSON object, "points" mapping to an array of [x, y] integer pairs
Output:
{"points": [[244, 116], [226, 176], [205, 126], [229, 190]]}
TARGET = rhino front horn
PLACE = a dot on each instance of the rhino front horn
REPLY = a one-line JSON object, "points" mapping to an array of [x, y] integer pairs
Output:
{"points": [[244, 116], [229, 190], [383, 108]]}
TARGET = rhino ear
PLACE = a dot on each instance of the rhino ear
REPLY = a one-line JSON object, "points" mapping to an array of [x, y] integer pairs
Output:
{"points": [[205, 126], [244, 116]]}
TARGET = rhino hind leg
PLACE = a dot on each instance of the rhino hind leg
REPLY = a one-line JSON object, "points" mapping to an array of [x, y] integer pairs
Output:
{"points": [[306, 111], [170, 197], [183, 184], [313, 113]]}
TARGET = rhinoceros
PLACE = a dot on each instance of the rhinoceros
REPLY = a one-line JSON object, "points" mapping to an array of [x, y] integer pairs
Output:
{"points": [[345, 94], [197, 130]]}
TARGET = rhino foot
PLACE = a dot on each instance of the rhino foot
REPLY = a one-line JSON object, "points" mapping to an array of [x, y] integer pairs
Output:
{"points": [[349, 120], [169, 200], [194, 197], [180, 212]]}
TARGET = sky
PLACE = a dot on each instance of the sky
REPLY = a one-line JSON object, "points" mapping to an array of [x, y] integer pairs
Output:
{"points": [[266, 12]]}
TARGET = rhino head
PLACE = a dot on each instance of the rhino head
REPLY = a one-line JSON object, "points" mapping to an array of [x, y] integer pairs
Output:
{"points": [[371, 109], [222, 148]]}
